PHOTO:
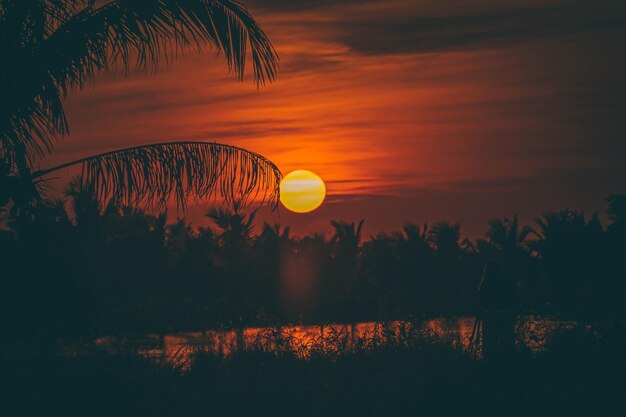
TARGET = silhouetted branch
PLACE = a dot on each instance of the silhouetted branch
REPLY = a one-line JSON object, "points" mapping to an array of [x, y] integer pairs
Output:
{"points": [[48, 48], [152, 175]]}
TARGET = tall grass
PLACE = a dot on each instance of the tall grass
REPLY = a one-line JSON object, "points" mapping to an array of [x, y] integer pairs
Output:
{"points": [[383, 373]]}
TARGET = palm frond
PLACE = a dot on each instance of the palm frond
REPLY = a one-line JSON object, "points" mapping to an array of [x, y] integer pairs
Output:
{"points": [[51, 47], [142, 35], [151, 176]]}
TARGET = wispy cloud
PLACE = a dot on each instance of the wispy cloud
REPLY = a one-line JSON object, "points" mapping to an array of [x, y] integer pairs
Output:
{"points": [[382, 98]]}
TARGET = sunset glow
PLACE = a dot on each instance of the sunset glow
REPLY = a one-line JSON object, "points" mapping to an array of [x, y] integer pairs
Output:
{"points": [[421, 117], [329, 207]]}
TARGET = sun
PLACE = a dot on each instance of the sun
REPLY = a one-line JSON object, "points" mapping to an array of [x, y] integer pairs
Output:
{"points": [[302, 191]]}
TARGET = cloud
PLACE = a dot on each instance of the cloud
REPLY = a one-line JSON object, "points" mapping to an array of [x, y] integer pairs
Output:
{"points": [[376, 27], [410, 110], [399, 31], [277, 6]]}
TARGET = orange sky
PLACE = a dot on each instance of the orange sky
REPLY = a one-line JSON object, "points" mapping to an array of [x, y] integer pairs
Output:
{"points": [[410, 110]]}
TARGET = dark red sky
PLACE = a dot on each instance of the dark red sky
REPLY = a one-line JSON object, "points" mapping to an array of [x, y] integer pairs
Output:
{"points": [[410, 110]]}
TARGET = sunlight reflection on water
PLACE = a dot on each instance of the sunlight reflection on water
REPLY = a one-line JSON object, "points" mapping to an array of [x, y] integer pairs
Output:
{"points": [[532, 332]]}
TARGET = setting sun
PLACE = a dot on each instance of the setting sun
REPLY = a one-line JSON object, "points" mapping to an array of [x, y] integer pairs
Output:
{"points": [[302, 191]]}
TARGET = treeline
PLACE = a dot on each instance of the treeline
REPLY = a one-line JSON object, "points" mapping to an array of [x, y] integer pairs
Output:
{"points": [[73, 268]]}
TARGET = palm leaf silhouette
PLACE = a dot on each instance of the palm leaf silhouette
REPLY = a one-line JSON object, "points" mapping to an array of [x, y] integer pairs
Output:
{"points": [[153, 175], [51, 47]]}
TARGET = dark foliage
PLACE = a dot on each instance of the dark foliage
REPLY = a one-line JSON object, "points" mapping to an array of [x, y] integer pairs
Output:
{"points": [[578, 375], [75, 268], [51, 48]]}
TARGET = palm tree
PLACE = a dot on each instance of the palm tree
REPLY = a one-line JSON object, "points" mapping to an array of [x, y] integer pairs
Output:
{"points": [[345, 244], [51, 48], [445, 238], [382, 278], [506, 252], [347, 238], [572, 251], [414, 243], [415, 256], [506, 238], [272, 252], [236, 228], [234, 241]]}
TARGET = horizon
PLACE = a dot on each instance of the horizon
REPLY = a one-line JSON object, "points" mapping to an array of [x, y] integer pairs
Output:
{"points": [[340, 207], [196, 218], [525, 116]]}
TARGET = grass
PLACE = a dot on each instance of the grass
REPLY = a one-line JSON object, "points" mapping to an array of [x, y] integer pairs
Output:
{"points": [[579, 374]]}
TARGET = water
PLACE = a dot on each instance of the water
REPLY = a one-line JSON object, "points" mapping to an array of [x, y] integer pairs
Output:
{"points": [[532, 331]]}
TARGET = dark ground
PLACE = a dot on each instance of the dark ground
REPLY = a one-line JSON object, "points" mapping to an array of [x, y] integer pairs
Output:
{"points": [[579, 374]]}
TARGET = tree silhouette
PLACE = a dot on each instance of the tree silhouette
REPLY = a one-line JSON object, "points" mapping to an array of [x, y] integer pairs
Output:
{"points": [[507, 238], [346, 244], [572, 251], [383, 280], [52, 48], [415, 250], [416, 238], [617, 207], [122, 270], [616, 261], [445, 238], [506, 257], [347, 238], [234, 241], [271, 253], [509, 246]]}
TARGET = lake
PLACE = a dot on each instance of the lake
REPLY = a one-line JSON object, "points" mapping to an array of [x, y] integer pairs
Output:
{"points": [[533, 332]]}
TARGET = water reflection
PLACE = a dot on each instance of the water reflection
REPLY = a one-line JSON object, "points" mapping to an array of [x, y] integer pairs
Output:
{"points": [[532, 332]]}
